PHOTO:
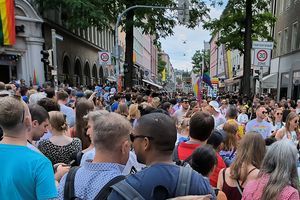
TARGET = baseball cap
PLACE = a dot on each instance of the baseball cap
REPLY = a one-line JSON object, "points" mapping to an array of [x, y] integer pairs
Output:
{"points": [[216, 138], [215, 105]]}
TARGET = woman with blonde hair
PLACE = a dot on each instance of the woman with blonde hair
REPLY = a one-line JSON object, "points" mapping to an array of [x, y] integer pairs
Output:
{"points": [[59, 148], [133, 113], [122, 109], [291, 129], [228, 152], [278, 177], [244, 168]]}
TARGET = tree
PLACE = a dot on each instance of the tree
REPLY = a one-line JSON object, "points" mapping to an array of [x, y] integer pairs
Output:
{"points": [[241, 22], [103, 13], [198, 59]]}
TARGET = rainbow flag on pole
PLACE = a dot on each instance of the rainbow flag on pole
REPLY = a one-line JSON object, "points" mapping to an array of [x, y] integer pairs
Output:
{"points": [[7, 22]]}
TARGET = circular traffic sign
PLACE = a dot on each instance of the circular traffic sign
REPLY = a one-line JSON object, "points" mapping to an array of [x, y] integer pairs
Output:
{"points": [[104, 57], [262, 55]]}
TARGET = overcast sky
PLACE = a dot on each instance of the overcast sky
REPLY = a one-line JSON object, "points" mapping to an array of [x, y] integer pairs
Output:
{"points": [[183, 44]]}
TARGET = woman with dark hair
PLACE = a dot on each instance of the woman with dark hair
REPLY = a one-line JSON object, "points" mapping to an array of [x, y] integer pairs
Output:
{"points": [[167, 106], [278, 177], [291, 129], [244, 168]]}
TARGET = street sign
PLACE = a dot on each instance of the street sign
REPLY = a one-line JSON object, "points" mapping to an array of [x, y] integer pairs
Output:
{"points": [[262, 45], [262, 57], [104, 58]]}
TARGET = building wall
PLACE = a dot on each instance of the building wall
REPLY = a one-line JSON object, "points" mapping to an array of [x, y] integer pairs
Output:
{"points": [[213, 56]]}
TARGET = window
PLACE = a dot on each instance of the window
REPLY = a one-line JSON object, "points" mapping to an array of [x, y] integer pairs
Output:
{"points": [[280, 4], [294, 43], [285, 41], [278, 48]]}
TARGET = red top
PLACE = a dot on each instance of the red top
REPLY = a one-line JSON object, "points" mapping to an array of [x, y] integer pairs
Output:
{"points": [[185, 150]]}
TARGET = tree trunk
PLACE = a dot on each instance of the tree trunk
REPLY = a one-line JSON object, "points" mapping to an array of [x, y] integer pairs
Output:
{"points": [[247, 45], [129, 49]]}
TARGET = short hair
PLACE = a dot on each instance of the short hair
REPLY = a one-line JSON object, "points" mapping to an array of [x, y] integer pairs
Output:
{"points": [[62, 95], [232, 112], [38, 113], [216, 138], [50, 92], [109, 129], [49, 104], [161, 128], [201, 125], [12, 113], [204, 159], [23, 90]]}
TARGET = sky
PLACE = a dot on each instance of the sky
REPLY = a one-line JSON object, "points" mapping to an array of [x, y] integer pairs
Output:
{"points": [[184, 43]]}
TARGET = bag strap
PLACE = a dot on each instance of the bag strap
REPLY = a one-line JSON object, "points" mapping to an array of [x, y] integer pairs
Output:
{"points": [[105, 191], [69, 191], [184, 181], [232, 154], [127, 191], [175, 154], [239, 187]]}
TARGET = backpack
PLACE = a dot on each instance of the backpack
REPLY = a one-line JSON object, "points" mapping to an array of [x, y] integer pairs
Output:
{"points": [[182, 189], [183, 163], [69, 190]]}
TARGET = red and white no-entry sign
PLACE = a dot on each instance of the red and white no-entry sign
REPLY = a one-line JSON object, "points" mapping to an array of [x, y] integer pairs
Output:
{"points": [[104, 58], [262, 57]]}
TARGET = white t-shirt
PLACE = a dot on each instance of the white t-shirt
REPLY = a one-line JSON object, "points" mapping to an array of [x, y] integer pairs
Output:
{"points": [[179, 114], [264, 128], [219, 120]]}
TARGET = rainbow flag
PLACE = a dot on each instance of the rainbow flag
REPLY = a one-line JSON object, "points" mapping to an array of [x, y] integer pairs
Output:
{"points": [[7, 22], [206, 79], [198, 90], [35, 78]]}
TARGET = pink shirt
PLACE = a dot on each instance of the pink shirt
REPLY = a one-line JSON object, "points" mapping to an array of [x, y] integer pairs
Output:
{"points": [[254, 190]]}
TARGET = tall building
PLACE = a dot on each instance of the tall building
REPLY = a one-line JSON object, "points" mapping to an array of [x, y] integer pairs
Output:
{"points": [[285, 63]]}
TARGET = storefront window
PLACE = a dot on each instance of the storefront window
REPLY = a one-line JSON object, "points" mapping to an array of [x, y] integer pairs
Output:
{"points": [[296, 85], [284, 84]]}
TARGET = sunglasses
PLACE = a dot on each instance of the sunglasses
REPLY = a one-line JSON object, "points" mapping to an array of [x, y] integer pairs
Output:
{"points": [[264, 112], [279, 114], [296, 121], [133, 137]]}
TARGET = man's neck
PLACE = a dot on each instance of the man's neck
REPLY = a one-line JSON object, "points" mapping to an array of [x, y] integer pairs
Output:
{"points": [[104, 157], [19, 139], [61, 102], [259, 119], [155, 159], [195, 141]]}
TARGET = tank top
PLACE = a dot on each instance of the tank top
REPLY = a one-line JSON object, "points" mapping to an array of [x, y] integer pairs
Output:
{"points": [[233, 193], [291, 135]]}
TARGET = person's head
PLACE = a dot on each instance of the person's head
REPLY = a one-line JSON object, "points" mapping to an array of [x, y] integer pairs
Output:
{"points": [[204, 103], [49, 104], [15, 118], [280, 163], [167, 106], [111, 136], [194, 106], [244, 109], [154, 136], [50, 92], [292, 122], [57, 122], [251, 151], [201, 126], [278, 113], [261, 112], [62, 96], [134, 112], [214, 107], [231, 112], [122, 109], [2, 86], [216, 138], [224, 103], [40, 121], [24, 91], [231, 129], [204, 160], [185, 104], [91, 117], [83, 107]]}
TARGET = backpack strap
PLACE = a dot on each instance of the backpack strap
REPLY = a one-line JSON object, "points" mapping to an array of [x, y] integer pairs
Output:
{"points": [[69, 191], [175, 154], [184, 181], [105, 191], [127, 191]]}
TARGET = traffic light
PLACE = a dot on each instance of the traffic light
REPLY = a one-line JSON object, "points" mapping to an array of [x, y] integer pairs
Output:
{"points": [[47, 57], [184, 12]]}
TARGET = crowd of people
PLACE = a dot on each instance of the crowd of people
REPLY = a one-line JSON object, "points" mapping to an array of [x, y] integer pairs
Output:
{"points": [[98, 143]]}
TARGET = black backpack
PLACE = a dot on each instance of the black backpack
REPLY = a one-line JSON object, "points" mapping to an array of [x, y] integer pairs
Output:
{"points": [[69, 190]]}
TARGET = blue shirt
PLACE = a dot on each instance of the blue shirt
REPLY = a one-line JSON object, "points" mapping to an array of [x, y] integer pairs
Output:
{"points": [[264, 128], [69, 112], [25, 174], [91, 178], [165, 175], [114, 106]]}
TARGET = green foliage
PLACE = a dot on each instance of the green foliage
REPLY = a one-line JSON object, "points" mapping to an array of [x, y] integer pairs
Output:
{"points": [[231, 25], [161, 65], [197, 60]]}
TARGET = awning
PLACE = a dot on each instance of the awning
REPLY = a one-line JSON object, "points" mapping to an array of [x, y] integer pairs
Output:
{"points": [[111, 79], [232, 81], [270, 81], [152, 83]]}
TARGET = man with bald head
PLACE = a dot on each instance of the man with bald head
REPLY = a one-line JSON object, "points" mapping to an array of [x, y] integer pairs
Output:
{"points": [[24, 174], [153, 140]]}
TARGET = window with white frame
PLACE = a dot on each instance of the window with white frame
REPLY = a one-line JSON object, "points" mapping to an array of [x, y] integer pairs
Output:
{"points": [[294, 43]]}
